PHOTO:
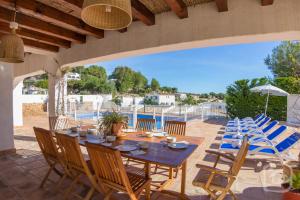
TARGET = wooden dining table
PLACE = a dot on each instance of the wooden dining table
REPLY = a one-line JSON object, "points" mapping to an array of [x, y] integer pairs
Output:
{"points": [[158, 152]]}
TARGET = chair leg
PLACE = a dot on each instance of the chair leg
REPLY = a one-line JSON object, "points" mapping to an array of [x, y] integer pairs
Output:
{"points": [[156, 168], [68, 191], [148, 190], [108, 194], [90, 194], [127, 162], [222, 196], [47, 175], [232, 195], [176, 172], [60, 182]]}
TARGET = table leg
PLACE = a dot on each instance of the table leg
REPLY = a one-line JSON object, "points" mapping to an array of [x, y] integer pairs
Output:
{"points": [[183, 178], [147, 170]]}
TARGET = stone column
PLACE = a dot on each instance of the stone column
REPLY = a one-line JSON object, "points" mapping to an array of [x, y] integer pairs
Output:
{"points": [[57, 90], [6, 108], [18, 104]]}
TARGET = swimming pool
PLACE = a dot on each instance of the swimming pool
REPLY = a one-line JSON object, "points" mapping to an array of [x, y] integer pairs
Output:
{"points": [[130, 117]]}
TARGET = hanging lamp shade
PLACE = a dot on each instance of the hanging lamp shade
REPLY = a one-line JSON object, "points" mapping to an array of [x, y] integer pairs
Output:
{"points": [[107, 14], [12, 46]]}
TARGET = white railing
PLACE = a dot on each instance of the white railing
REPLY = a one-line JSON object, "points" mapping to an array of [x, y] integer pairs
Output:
{"points": [[204, 111]]}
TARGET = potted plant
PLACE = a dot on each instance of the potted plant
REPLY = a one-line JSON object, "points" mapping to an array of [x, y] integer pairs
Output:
{"points": [[293, 187], [112, 123]]}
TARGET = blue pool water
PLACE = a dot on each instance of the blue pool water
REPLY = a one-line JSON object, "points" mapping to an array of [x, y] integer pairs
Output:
{"points": [[130, 117]]}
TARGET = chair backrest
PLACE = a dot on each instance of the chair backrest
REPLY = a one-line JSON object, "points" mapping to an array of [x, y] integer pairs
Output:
{"points": [[72, 154], [277, 132], [288, 142], [262, 117], [109, 167], [175, 127], [240, 157], [264, 122], [46, 143], [257, 116], [58, 123], [270, 126], [145, 124]]}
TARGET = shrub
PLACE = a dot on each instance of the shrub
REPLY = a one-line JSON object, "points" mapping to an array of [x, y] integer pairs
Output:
{"points": [[241, 102]]}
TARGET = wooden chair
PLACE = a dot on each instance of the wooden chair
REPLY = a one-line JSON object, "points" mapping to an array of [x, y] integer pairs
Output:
{"points": [[145, 124], [50, 153], [174, 128], [110, 171], [76, 164], [218, 182], [58, 123]]}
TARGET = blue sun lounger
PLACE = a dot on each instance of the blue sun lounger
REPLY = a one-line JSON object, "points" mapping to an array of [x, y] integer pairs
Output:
{"points": [[259, 134], [279, 150]]}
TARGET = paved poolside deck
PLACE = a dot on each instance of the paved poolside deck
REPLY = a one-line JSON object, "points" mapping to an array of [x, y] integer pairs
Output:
{"points": [[20, 174]]}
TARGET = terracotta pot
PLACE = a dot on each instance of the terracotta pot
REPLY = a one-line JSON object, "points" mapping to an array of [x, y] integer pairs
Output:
{"points": [[117, 129], [291, 196]]}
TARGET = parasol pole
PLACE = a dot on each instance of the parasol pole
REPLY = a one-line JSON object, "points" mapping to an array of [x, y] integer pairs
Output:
{"points": [[266, 107]]}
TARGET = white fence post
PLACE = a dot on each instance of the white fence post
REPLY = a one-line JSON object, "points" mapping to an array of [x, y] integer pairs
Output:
{"points": [[134, 117], [185, 114]]}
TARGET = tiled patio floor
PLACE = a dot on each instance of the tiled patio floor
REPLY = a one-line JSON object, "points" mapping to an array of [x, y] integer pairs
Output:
{"points": [[20, 174]]}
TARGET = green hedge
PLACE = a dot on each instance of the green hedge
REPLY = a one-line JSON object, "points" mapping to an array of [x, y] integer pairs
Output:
{"points": [[241, 102]]}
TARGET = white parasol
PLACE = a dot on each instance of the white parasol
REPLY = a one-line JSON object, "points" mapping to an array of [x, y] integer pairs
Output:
{"points": [[269, 90]]}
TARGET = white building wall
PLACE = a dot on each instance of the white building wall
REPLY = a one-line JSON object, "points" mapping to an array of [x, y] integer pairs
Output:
{"points": [[34, 98], [128, 101], [166, 99]]}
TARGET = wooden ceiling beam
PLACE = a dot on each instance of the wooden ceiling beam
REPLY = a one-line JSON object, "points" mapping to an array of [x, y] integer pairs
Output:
{"points": [[142, 13], [39, 45], [29, 34], [267, 2], [222, 5], [41, 26], [179, 7], [53, 16]]}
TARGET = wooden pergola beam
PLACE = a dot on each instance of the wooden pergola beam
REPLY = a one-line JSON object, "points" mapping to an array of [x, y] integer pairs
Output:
{"points": [[179, 7], [39, 45], [41, 26], [142, 13], [75, 5], [222, 5], [52, 15], [267, 2], [29, 34]]}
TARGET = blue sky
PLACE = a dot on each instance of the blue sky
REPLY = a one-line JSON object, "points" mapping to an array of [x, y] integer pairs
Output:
{"points": [[201, 70]]}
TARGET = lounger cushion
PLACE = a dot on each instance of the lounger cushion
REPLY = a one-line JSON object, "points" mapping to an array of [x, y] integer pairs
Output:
{"points": [[228, 146]]}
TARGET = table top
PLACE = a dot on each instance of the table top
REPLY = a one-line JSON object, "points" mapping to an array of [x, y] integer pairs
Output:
{"points": [[158, 151]]}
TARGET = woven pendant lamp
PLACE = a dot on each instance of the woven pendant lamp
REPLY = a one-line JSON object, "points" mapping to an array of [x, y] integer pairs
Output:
{"points": [[107, 14], [11, 45]]}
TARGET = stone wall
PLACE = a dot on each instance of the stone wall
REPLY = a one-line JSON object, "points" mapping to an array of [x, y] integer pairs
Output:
{"points": [[33, 109], [293, 109]]}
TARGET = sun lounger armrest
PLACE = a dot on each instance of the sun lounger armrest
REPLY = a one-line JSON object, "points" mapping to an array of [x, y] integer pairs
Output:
{"points": [[219, 154]]}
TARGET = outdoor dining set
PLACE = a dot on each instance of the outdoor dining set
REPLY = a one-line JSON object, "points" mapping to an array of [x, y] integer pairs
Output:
{"points": [[128, 163]]}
